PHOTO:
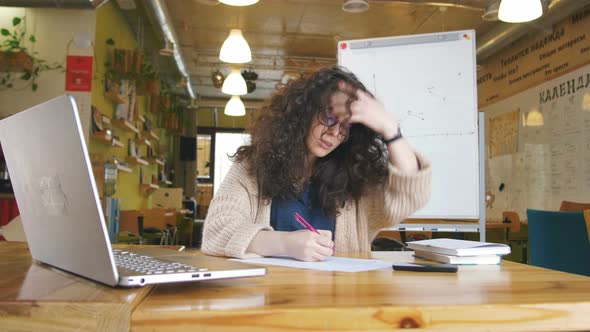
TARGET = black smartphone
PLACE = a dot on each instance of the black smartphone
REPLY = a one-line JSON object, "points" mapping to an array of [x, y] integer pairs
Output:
{"points": [[424, 267]]}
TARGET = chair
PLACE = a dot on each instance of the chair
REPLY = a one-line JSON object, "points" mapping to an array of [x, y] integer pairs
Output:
{"points": [[587, 220], [573, 206], [514, 235], [559, 240], [387, 244]]}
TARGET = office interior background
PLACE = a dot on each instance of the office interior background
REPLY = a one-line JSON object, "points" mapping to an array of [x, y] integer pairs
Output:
{"points": [[162, 109]]}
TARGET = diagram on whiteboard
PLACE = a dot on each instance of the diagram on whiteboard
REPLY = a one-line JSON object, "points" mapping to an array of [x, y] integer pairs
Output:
{"points": [[429, 108], [432, 90], [417, 115]]}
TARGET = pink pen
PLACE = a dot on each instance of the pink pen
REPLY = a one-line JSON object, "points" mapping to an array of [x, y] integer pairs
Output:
{"points": [[307, 225], [304, 223]]}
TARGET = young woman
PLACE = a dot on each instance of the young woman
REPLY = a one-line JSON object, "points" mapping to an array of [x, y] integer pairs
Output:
{"points": [[326, 149]]}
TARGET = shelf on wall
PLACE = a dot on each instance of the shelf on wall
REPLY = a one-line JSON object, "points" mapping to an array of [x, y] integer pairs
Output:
{"points": [[157, 161], [125, 125], [117, 143], [143, 141], [151, 134], [137, 161], [103, 137], [148, 188], [124, 169], [107, 139], [115, 97]]}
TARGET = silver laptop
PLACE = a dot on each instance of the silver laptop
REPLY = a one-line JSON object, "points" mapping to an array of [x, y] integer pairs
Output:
{"points": [[61, 212]]}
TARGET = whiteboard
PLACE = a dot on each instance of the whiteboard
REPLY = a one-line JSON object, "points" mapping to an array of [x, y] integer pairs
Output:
{"points": [[429, 82]]}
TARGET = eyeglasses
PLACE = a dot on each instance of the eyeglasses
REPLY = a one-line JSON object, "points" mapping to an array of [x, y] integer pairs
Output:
{"points": [[329, 120]]}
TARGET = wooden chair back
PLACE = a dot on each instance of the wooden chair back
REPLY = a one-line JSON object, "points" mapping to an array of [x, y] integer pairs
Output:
{"points": [[573, 206], [157, 218], [514, 220]]}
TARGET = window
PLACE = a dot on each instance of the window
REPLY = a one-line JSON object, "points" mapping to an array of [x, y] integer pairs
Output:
{"points": [[226, 145], [204, 157]]}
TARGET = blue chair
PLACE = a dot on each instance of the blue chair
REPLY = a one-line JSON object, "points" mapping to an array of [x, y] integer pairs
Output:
{"points": [[559, 240]]}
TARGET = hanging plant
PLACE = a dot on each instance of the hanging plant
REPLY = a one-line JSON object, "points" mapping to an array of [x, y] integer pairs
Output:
{"points": [[110, 75], [148, 80], [17, 62]]}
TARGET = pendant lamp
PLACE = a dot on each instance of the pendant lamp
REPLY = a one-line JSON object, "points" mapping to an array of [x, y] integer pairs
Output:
{"points": [[235, 48], [234, 84], [235, 107], [586, 102], [517, 11], [240, 3], [534, 118]]}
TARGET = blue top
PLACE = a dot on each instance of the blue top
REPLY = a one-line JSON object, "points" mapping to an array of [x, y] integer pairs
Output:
{"points": [[282, 213]]}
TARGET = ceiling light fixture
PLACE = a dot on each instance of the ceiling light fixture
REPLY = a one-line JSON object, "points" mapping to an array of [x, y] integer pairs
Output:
{"points": [[208, 2], [534, 118], [234, 84], [168, 49], [235, 107], [517, 11], [355, 6], [491, 13], [586, 102], [289, 75], [240, 3], [217, 78], [182, 82], [235, 48], [194, 104]]}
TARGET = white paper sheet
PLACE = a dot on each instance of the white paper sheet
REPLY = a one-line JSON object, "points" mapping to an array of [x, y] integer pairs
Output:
{"points": [[339, 264]]}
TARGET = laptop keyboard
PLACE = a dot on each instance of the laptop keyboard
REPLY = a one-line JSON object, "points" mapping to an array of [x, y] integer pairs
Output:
{"points": [[150, 265]]}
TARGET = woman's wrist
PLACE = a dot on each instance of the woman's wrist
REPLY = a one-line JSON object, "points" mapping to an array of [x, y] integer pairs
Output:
{"points": [[268, 243], [390, 132]]}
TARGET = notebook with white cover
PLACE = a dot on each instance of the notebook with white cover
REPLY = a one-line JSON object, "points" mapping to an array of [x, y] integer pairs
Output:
{"points": [[459, 247], [61, 212], [459, 260]]}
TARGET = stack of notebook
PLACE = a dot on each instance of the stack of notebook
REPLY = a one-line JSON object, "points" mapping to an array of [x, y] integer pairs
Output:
{"points": [[453, 251]]}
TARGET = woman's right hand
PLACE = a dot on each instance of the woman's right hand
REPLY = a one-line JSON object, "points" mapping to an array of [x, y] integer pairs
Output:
{"points": [[308, 246]]}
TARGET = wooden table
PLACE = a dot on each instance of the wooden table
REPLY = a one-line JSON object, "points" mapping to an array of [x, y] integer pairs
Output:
{"points": [[509, 297], [36, 297]]}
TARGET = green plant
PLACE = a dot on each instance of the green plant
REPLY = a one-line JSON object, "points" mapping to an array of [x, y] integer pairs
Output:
{"points": [[148, 72], [17, 57], [165, 88], [110, 74], [148, 80]]}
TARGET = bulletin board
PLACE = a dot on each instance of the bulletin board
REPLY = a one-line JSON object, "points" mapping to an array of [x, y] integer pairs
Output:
{"points": [[552, 161]]}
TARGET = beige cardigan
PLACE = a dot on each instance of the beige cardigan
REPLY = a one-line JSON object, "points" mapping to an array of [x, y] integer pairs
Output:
{"points": [[236, 214]]}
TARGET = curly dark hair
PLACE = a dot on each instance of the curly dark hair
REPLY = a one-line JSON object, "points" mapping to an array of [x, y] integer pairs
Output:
{"points": [[277, 152]]}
